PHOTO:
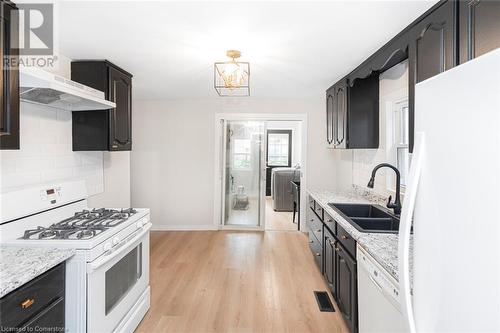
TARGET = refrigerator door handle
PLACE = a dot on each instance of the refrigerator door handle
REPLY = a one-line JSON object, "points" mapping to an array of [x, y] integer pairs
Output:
{"points": [[405, 230]]}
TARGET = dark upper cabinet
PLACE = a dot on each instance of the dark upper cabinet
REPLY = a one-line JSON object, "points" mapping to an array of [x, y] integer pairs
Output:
{"points": [[9, 78], [432, 50], [433, 43], [120, 92], [479, 27], [346, 292], [103, 130], [391, 54], [352, 114], [340, 115], [329, 116]]}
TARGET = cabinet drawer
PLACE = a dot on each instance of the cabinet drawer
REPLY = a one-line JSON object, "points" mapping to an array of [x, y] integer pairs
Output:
{"points": [[316, 250], [330, 223], [315, 226], [51, 318], [311, 203], [346, 240], [23, 303], [318, 210]]}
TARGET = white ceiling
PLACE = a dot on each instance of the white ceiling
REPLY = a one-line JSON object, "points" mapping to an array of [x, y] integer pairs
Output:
{"points": [[295, 49]]}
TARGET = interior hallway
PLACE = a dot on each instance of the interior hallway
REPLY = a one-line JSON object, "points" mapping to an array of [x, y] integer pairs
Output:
{"points": [[278, 220], [227, 281]]}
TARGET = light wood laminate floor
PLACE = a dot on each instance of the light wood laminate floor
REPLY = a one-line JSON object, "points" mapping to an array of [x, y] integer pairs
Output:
{"points": [[227, 281], [278, 220]]}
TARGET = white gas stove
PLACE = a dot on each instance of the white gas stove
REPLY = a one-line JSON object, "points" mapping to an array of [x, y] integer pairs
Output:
{"points": [[107, 281]]}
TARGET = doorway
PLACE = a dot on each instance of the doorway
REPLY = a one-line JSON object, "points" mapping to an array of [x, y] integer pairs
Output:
{"points": [[283, 160], [243, 199], [257, 161]]}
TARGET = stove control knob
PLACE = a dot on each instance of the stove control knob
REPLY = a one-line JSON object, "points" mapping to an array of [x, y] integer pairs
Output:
{"points": [[145, 221], [116, 240], [107, 246], [139, 224]]}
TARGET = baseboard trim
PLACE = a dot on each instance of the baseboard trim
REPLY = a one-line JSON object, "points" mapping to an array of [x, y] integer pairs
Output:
{"points": [[183, 227]]}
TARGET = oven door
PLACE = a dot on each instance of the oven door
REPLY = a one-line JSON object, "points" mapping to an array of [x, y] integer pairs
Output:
{"points": [[116, 280]]}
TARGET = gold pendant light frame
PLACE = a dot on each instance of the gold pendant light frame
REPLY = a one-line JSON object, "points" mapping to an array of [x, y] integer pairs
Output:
{"points": [[236, 83]]}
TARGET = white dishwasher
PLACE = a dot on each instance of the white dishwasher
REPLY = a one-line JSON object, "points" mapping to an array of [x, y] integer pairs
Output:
{"points": [[378, 297]]}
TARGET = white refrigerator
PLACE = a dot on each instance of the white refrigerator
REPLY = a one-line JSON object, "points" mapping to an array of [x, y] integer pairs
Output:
{"points": [[453, 195]]}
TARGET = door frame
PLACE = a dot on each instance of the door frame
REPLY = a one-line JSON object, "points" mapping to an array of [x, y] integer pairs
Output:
{"points": [[290, 143], [219, 168]]}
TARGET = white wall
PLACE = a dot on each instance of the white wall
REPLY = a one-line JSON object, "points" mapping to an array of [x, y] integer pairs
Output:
{"points": [[172, 162], [355, 166], [116, 168], [295, 126], [46, 154]]}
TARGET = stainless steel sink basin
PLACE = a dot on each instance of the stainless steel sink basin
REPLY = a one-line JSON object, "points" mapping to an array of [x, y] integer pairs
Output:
{"points": [[368, 218]]}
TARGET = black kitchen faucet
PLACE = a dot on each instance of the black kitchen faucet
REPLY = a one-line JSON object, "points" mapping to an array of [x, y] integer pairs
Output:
{"points": [[397, 202]]}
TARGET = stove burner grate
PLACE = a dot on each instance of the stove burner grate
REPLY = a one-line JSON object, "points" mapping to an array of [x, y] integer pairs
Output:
{"points": [[82, 225]]}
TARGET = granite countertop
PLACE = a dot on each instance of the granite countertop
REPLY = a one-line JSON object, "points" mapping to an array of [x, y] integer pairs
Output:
{"points": [[381, 246], [19, 265]]}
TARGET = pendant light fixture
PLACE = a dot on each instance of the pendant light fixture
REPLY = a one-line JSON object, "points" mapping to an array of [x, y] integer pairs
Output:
{"points": [[232, 78]]}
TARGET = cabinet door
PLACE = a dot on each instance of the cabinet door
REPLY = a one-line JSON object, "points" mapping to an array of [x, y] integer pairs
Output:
{"points": [[432, 50], [346, 287], [9, 79], [479, 27], [329, 117], [341, 101], [120, 92], [432, 43], [329, 260]]}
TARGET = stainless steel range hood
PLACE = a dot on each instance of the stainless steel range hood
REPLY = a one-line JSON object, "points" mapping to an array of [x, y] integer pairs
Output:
{"points": [[43, 88]]}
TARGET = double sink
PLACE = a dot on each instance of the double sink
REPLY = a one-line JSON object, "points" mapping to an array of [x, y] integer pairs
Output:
{"points": [[368, 218]]}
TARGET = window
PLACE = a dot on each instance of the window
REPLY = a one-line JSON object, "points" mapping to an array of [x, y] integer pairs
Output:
{"points": [[401, 154], [279, 148], [242, 154]]}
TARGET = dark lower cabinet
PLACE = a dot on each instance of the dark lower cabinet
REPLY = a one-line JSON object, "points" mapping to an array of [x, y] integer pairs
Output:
{"points": [[335, 254], [51, 317], [9, 77], [39, 305], [316, 249], [479, 27], [329, 270], [103, 130], [346, 287]]}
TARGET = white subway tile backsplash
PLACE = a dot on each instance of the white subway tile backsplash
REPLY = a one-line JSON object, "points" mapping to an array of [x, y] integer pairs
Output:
{"points": [[7, 165], [72, 160], [52, 175], [24, 164], [46, 154], [56, 149], [18, 179]]}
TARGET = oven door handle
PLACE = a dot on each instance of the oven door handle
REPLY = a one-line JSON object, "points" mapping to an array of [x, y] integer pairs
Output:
{"points": [[119, 249]]}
